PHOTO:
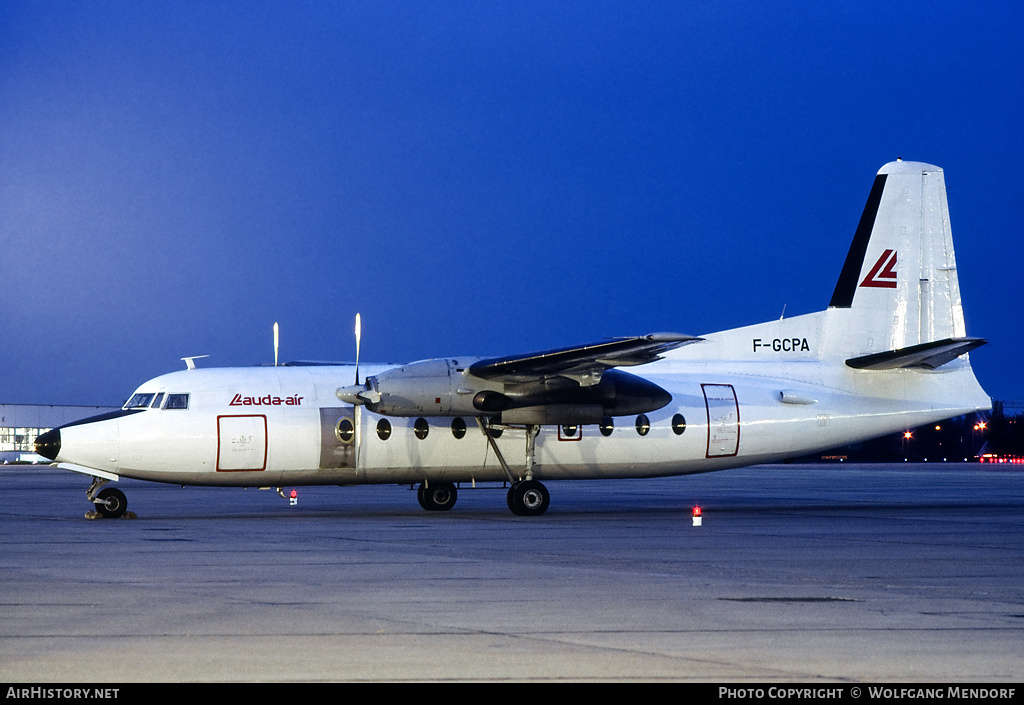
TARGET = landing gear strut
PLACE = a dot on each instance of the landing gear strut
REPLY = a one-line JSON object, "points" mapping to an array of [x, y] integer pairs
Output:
{"points": [[526, 497]]}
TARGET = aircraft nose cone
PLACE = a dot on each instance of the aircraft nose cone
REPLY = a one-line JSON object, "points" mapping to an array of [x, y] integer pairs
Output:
{"points": [[48, 444]]}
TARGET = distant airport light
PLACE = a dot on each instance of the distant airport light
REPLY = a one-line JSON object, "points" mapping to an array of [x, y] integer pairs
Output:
{"points": [[995, 458], [697, 518], [294, 498]]}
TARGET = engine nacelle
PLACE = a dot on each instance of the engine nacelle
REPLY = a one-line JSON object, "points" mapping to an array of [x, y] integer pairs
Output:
{"points": [[427, 388], [445, 387]]}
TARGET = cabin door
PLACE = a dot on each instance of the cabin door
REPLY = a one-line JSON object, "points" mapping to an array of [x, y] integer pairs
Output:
{"points": [[723, 420]]}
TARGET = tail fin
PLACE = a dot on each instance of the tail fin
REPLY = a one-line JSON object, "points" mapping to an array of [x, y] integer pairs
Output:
{"points": [[899, 280]]}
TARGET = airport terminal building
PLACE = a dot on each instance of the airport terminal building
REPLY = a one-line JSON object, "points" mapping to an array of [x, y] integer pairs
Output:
{"points": [[21, 423]]}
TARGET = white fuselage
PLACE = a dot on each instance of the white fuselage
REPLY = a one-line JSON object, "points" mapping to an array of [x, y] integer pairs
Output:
{"points": [[747, 396]]}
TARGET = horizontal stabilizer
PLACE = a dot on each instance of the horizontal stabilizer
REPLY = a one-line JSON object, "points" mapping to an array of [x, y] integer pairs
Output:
{"points": [[926, 356]]}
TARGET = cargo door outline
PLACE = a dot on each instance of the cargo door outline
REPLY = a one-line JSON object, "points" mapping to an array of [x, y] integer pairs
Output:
{"points": [[723, 420], [242, 443]]}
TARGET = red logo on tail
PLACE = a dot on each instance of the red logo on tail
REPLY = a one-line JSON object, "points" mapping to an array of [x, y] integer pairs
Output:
{"points": [[883, 274]]}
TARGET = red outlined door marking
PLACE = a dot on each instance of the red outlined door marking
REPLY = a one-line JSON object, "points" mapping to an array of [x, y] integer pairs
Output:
{"points": [[241, 443], [723, 420]]}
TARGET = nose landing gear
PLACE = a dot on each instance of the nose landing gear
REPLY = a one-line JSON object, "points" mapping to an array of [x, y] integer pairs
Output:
{"points": [[110, 503]]}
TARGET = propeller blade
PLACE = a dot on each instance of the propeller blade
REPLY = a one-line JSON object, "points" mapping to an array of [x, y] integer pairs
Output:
{"points": [[359, 335], [277, 341]]}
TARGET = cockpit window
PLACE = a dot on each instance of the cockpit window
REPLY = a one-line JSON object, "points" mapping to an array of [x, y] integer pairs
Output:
{"points": [[139, 401], [177, 401], [157, 401]]}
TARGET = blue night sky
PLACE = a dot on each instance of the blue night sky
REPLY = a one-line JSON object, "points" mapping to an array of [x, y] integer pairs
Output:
{"points": [[475, 178]]}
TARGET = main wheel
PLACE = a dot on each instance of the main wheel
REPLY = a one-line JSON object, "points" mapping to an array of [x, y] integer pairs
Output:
{"points": [[111, 503], [437, 497], [528, 498]]}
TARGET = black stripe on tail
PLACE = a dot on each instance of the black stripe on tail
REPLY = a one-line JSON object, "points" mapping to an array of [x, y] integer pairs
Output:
{"points": [[842, 297]]}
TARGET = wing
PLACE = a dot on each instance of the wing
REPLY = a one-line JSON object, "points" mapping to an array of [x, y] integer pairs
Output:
{"points": [[583, 362]]}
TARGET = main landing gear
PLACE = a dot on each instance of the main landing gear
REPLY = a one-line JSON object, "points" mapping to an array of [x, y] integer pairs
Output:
{"points": [[526, 497], [437, 496], [110, 502]]}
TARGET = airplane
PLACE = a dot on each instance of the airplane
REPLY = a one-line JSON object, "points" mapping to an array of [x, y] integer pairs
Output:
{"points": [[890, 352]]}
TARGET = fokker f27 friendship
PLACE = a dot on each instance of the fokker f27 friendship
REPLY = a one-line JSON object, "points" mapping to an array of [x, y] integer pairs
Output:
{"points": [[890, 352]]}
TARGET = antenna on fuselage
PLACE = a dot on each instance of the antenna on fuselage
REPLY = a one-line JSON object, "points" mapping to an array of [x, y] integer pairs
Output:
{"points": [[190, 362], [277, 341], [359, 335]]}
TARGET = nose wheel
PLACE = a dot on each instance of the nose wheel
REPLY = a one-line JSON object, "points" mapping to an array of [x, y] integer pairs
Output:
{"points": [[110, 502]]}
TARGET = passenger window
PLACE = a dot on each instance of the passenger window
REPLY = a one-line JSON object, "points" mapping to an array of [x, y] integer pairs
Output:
{"points": [[458, 427], [607, 426], [383, 429], [642, 424], [345, 431], [678, 424], [421, 428], [177, 401]]}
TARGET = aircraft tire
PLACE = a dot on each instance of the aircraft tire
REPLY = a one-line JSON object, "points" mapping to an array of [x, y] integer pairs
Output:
{"points": [[528, 498], [112, 504], [439, 497]]}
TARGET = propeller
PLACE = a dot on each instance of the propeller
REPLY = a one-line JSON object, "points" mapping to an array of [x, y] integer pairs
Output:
{"points": [[277, 341], [359, 335], [357, 394]]}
